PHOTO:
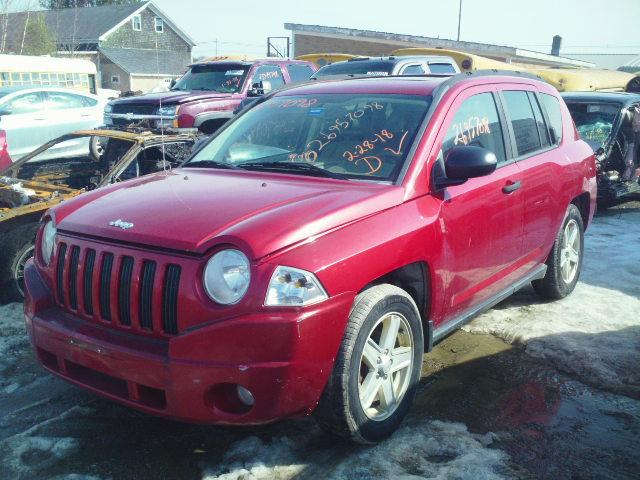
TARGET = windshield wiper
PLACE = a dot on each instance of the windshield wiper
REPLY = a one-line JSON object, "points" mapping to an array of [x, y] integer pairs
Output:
{"points": [[293, 167], [211, 164]]}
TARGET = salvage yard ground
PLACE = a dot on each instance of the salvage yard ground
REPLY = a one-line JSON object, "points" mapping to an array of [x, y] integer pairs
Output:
{"points": [[528, 390]]}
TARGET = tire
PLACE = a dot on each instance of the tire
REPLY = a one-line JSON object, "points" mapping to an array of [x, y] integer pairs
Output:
{"points": [[557, 283], [11, 270], [340, 410]]}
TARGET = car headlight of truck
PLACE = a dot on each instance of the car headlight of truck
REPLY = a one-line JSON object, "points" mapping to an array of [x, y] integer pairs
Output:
{"points": [[168, 111], [48, 241], [294, 287], [227, 276]]}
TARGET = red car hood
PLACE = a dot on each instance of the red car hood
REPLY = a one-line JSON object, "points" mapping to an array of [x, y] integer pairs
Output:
{"points": [[195, 209]]}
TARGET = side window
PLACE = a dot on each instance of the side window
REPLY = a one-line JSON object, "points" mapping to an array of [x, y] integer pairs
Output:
{"points": [[413, 70], [522, 120], [28, 103], [269, 73], [476, 123], [441, 68], [552, 107], [542, 127], [64, 101], [299, 72]]}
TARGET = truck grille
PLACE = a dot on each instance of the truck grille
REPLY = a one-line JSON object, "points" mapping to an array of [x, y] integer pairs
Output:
{"points": [[132, 294], [141, 109]]}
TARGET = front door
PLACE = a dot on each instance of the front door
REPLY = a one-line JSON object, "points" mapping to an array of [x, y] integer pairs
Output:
{"points": [[482, 219]]}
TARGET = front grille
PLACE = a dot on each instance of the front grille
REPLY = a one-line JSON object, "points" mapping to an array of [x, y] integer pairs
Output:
{"points": [[136, 109], [126, 294]]}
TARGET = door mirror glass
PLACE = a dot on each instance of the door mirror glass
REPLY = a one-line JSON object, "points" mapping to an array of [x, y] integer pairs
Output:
{"points": [[259, 88], [463, 163]]}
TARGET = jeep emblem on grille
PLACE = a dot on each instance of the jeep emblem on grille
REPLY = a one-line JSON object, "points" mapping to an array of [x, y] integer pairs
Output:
{"points": [[121, 224]]}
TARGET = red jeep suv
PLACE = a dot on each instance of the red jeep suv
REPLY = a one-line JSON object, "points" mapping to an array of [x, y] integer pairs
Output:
{"points": [[305, 257]]}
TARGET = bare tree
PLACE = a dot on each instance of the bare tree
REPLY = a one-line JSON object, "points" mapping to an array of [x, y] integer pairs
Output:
{"points": [[26, 25], [5, 6]]}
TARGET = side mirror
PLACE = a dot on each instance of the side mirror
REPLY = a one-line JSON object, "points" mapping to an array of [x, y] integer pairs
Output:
{"points": [[463, 163], [259, 88]]}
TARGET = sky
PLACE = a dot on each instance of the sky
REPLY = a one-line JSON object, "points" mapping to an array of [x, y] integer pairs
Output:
{"points": [[587, 26]]}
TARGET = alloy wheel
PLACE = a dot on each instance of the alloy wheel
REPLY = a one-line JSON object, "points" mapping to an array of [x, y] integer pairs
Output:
{"points": [[570, 251]]}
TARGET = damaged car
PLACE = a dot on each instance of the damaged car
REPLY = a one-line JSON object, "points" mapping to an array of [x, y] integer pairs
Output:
{"points": [[610, 124], [65, 167]]}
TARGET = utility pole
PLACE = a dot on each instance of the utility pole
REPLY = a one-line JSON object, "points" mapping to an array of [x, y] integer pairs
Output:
{"points": [[459, 19]]}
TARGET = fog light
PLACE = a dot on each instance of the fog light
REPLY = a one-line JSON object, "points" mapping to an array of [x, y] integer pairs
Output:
{"points": [[245, 396]]}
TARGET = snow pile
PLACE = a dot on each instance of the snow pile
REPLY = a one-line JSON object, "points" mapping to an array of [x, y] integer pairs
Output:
{"points": [[595, 332], [428, 449], [13, 341]]}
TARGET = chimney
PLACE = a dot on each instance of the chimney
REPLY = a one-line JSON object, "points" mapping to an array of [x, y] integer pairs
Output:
{"points": [[555, 46]]}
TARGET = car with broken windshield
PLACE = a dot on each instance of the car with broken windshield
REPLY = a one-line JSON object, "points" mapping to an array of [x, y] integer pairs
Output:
{"points": [[303, 260], [610, 123], [64, 168]]}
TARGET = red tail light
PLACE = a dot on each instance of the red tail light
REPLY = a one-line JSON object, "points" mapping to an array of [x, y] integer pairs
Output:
{"points": [[5, 158]]}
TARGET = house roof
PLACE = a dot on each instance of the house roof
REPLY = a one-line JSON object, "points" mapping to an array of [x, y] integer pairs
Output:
{"points": [[483, 49], [138, 61], [86, 25]]}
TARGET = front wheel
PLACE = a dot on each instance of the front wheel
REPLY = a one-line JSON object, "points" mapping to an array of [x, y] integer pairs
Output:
{"points": [[377, 369], [565, 260]]}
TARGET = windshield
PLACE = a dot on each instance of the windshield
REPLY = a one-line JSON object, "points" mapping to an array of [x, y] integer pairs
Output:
{"points": [[373, 68], [594, 121], [217, 78], [364, 136]]}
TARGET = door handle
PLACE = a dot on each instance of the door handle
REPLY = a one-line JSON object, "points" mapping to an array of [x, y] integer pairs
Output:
{"points": [[511, 186]]}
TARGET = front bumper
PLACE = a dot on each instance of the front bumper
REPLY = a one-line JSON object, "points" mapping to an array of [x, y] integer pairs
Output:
{"points": [[283, 359]]}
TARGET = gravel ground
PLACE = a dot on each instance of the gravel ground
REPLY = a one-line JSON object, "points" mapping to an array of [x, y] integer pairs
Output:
{"points": [[528, 390]]}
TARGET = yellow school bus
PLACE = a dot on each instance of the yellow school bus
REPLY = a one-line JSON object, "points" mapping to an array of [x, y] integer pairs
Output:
{"points": [[48, 72]]}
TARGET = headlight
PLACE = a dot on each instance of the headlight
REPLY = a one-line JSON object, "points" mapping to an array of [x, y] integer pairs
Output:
{"points": [[167, 111], [48, 240], [293, 287], [108, 108], [226, 276]]}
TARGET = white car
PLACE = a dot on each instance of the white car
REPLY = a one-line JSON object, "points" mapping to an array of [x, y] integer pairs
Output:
{"points": [[31, 116]]}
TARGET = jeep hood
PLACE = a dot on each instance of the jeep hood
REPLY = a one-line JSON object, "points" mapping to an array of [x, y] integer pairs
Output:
{"points": [[193, 210], [173, 97]]}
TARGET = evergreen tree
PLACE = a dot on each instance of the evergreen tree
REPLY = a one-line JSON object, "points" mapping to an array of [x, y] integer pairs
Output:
{"points": [[38, 38]]}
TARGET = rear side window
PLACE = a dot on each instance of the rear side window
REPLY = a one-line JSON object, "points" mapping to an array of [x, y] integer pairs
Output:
{"points": [[523, 122], [552, 107], [441, 68], [542, 127], [476, 123], [299, 72]]}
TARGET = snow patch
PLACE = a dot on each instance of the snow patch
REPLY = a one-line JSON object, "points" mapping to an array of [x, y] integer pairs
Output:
{"points": [[428, 449], [594, 333], [13, 337]]}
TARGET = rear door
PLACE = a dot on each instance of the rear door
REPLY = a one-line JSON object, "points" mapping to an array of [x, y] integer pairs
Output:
{"points": [[541, 163], [25, 120], [482, 218]]}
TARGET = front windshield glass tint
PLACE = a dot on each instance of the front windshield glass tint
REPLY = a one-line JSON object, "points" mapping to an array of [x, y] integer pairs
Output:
{"points": [[371, 68], [218, 78], [353, 136], [594, 121]]}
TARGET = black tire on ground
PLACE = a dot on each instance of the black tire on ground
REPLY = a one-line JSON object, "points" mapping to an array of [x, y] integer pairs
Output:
{"points": [[14, 256], [340, 410], [554, 286]]}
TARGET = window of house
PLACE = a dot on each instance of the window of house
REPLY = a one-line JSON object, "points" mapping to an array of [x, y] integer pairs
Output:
{"points": [[524, 124], [159, 25], [476, 123], [136, 22], [115, 79], [299, 72], [552, 107]]}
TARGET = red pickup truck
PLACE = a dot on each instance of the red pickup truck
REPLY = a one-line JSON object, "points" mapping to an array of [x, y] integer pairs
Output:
{"points": [[305, 258], [206, 96]]}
